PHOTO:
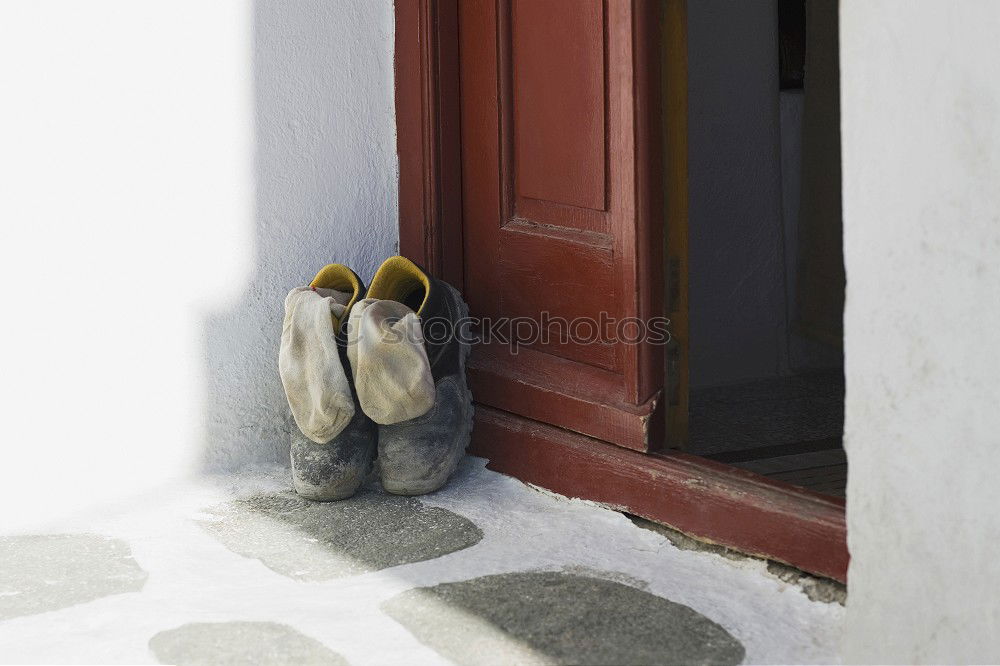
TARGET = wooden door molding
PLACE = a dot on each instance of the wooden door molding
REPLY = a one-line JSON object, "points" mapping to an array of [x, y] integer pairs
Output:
{"points": [[704, 499], [550, 389], [707, 500], [428, 136], [674, 99]]}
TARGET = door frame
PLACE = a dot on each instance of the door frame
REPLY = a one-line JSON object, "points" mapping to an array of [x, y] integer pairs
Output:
{"points": [[709, 501]]}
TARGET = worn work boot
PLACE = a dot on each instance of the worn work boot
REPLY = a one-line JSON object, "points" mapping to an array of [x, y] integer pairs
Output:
{"points": [[417, 455], [333, 470]]}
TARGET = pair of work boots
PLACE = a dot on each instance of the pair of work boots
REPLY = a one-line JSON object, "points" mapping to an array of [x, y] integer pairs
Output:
{"points": [[375, 373]]}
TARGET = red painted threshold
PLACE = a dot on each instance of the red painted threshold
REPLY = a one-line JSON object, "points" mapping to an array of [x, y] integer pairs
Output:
{"points": [[706, 500]]}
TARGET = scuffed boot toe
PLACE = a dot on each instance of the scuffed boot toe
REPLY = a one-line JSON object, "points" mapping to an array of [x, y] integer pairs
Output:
{"points": [[416, 457], [335, 470]]}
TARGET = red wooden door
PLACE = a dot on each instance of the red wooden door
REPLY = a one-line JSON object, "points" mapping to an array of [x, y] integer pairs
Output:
{"points": [[527, 136], [560, 210]]}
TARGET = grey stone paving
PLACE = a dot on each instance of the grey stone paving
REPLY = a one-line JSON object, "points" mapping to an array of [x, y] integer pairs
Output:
{"points": [[45, 572], [559, 618], [314, 541], [231, 643]]}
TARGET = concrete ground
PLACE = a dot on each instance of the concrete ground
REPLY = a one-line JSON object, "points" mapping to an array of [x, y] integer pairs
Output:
{"points": [[486, 571]]}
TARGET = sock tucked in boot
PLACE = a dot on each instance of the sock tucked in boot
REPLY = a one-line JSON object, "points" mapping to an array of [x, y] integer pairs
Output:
{"points": [[417, 455], [309, 363], [334, 469], [392, 375]]}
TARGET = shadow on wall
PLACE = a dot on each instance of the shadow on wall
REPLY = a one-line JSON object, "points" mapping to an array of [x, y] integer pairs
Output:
{"points": [[326, 181]]}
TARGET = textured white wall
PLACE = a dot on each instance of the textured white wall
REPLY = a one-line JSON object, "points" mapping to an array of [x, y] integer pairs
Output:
{"points": [[168, 170], [921, 139], [326, 177]]}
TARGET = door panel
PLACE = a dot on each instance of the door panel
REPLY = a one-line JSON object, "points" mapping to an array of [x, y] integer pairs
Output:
{"points": [[574, 288], [555, 224], [558, 99]]}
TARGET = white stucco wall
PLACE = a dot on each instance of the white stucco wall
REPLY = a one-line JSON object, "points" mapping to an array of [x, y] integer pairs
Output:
{"points": [[326, 188], [168, 169], [921, 139]]}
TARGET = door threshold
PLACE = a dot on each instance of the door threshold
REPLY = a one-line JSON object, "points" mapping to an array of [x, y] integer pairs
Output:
{"points": [[709, 501]]}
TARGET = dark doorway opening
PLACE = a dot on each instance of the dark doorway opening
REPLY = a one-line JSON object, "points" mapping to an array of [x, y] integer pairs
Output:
{"points": [[766, 277]]}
